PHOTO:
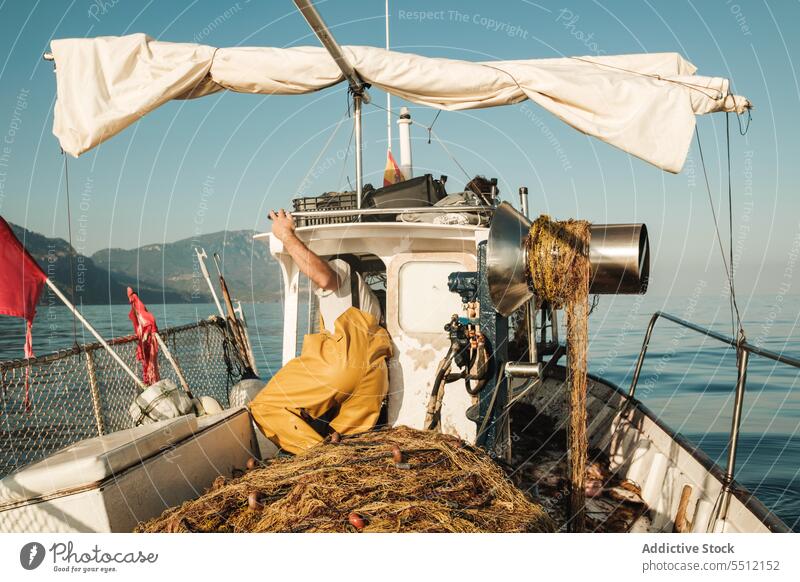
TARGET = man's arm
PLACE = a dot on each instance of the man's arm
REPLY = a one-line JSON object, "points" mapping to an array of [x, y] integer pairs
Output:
{"points": [[309, 263]]}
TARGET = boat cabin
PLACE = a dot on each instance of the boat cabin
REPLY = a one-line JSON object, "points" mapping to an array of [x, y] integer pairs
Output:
{"points": [[407, 264]]}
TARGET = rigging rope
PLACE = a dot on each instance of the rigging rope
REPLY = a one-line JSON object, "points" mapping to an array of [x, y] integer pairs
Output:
{"points": [[736, 319], [430, 127], [71, 249], [346, 157], [707, 91], [430, 131], [730, 214], [322, 152]]}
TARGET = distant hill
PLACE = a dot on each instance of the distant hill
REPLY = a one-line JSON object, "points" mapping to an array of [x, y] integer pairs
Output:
{"points": [[93, 284], [250, 271], [160, 273]]}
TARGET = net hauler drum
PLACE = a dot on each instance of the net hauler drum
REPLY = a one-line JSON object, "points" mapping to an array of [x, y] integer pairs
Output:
{"points": [[619, 257]]}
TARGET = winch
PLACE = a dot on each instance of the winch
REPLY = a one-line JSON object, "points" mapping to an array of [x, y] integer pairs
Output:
{"points": [[502, 285]]}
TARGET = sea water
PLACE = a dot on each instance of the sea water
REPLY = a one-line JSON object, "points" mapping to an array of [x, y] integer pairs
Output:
{"points": [[687, 380]]}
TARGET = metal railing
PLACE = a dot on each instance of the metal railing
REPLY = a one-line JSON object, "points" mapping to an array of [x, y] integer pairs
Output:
{"points": [[743, 351], [382, 211], [55, 400]]}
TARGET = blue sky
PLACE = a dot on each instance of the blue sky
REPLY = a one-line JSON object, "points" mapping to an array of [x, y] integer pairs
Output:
{"points": [[222, 161]]}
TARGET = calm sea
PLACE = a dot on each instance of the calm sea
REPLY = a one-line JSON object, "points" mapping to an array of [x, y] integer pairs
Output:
{"points": [[687, 380]]}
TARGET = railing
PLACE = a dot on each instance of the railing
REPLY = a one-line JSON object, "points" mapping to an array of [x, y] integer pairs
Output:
{"points": [[381, 211], [743, 351], [55, 400]]}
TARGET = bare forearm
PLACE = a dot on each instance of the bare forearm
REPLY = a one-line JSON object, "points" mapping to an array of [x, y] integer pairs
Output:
{"points": [[310, 264]]}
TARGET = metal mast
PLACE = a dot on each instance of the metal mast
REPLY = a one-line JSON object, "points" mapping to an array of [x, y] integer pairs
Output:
{"points": [[357, 86]]}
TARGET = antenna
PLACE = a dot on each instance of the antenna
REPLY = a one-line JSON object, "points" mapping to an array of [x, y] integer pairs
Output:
{"points": [[357, 85]]}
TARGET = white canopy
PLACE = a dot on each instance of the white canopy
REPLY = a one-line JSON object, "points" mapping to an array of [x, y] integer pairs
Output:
{"points": [[643, 104]]}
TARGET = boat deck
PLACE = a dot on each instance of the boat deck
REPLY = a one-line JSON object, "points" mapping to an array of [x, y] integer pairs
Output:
{"points": [[539, 467]]}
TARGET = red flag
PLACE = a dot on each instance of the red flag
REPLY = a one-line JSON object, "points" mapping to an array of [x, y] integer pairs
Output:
{"points": [[144, 325], [21, 282], [392, 173]]}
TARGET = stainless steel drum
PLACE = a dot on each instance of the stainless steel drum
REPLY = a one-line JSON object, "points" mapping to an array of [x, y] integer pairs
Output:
{"points": [[619, 256]]}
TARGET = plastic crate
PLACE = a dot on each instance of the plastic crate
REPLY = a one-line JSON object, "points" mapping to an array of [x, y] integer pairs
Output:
{"points": [[328, 201]]}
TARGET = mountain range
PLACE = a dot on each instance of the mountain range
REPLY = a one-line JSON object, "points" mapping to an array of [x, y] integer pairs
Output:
{"points": [[160, 273]]}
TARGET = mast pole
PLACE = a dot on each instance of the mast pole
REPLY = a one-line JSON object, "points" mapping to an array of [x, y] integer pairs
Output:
{"points": [[357, 86], [359, 145], [388, 95]]}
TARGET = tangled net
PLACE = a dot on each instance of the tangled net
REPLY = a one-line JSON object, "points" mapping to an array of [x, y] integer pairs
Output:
{"points": [[558, 259], [392, 480], [558, 255]]}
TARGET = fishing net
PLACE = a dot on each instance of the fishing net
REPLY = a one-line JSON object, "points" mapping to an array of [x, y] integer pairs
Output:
{"points": [[558, 255], [390, 480]]}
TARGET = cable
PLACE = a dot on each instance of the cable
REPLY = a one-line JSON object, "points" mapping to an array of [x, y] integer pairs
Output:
{"points": [[430, 127], [71, 250], [728, 271], [700, 88], [322, 152], [730, 211], [430, 131], [346, 156]]}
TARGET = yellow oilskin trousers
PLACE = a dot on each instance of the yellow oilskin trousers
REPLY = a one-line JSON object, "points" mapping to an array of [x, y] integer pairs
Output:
{"points": [[345, 370]]}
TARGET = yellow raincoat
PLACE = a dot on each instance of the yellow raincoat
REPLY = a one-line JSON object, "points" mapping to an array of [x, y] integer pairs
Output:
{"points": [[345, 370]]}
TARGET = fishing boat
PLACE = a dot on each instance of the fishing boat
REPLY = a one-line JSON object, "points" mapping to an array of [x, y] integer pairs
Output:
{"points": [[441, 271]]}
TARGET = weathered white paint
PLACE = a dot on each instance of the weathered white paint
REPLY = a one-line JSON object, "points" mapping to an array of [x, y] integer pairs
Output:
{"points": [[110, 483]]}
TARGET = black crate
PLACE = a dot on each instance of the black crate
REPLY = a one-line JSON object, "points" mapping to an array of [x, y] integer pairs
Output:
{"points": [[419, 191], [328, 201]]}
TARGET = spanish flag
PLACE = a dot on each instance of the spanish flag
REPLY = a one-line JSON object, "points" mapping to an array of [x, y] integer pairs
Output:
{"points": [[392, 173]]}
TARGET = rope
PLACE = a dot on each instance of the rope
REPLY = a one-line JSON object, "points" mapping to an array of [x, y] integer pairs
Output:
{"points": [[322, 152], [730, 213], [71, 249], [736, 319], [695, 87], [430, 127], [346, 156]]}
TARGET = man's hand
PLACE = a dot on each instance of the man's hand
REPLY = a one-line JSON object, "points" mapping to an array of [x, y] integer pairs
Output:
{"points": [[309, 263], [282, 224]]}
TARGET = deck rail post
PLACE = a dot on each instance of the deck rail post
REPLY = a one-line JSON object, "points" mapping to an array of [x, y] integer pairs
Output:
{"points": [[742, 357], [640, 360], [97, 407]]}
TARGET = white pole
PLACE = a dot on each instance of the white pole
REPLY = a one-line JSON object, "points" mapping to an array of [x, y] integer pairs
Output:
{"points": [[388, 95], [171, 360], [240, 314], [404, 130], [201, 254], [199, 406], [94, 332]]}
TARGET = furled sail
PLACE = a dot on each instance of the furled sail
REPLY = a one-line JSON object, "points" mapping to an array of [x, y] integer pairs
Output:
{"points": [[643, 104]]}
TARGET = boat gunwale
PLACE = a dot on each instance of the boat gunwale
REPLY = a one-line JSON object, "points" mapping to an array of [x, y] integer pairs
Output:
{"points": [[748, 499]]}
